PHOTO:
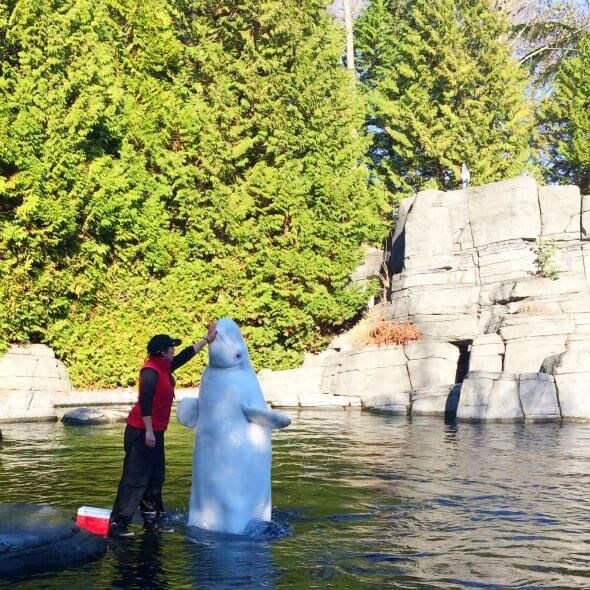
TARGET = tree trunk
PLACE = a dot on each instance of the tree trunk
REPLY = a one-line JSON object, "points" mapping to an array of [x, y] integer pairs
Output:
{"points": [[349, 35]]}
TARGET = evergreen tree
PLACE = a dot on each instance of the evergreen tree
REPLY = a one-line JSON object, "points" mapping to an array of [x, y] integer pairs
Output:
{"points": [[443, 89], [166, 163], [565, 122]]}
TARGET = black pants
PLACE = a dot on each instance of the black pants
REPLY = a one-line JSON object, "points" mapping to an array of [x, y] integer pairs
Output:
{"points": [[142, 480]]}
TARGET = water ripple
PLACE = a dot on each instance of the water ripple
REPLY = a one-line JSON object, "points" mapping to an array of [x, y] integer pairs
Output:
{"points": [[360, 501]]}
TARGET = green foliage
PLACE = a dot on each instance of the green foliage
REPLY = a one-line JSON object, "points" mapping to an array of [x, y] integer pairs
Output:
{"points": [[546, 264], [166, 163], [442, 89], [565, 122]]}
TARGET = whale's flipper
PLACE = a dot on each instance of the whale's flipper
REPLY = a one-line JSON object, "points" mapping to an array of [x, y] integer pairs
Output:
{"points": [[187, 411], [268, 418]]}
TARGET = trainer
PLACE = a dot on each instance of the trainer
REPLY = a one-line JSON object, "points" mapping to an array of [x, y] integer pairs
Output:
{"points": [[144, 465]]}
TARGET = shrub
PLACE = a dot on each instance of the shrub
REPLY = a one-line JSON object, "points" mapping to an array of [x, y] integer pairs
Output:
{"points": [[546, 264], [390, 332]]}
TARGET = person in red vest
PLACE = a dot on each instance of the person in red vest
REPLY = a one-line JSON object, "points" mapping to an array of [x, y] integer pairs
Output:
{"points": [[144, 465]]}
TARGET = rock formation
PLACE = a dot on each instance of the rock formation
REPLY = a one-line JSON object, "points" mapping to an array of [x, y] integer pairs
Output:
{"points": [[29, 378], [39, 537], [496, 279]]}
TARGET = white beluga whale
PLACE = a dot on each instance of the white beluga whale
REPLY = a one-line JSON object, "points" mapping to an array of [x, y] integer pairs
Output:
{"points": [[232, 456]]}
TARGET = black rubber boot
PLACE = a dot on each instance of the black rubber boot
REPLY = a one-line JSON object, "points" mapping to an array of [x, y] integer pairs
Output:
{"points": [[152, 523], [121, 531]]}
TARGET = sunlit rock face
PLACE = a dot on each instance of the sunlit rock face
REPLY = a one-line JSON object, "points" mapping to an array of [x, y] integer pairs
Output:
{"points": [[497, 280], [31, 379], [232, 457]]}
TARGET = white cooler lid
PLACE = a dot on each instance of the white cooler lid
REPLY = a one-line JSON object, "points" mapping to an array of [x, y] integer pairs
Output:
{"points": [[95, 512]]}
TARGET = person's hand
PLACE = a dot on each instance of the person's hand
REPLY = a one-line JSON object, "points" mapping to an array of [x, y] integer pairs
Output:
{"points": [[150, 439], [211, 332]]}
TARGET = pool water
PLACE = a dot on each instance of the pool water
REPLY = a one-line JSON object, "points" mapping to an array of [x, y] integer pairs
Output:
{"points": [[359, 501]]}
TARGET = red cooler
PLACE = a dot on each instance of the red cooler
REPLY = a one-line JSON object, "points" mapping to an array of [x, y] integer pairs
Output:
{"points": [[94, 520]]}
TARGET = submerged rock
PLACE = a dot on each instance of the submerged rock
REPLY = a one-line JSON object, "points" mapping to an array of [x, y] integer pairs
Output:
{"points": [[91, 416], [38, 537]]}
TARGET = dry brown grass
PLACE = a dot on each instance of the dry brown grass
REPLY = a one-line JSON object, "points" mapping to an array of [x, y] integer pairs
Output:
{"points": [[390, 332], [381, 332]]}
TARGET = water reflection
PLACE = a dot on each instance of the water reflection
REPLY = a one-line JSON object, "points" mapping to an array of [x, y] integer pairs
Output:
{"points": [[138, 564], [218, 561]]}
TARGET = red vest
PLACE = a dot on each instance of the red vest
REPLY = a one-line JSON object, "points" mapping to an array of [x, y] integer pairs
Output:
{"points": [[163, 396]]}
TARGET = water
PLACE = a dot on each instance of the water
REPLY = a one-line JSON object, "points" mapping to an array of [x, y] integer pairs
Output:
{"points": [[360, 501]]}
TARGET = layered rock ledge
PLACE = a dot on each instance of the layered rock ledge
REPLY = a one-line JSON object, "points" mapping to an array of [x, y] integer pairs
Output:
{"points": [[496, 278]]}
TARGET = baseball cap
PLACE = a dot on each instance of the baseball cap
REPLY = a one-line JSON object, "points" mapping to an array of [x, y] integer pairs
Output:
{"points": [[161, 342]]}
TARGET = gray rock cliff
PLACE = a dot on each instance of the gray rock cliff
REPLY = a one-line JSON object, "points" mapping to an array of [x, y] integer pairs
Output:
{"points": [[496, 278]]}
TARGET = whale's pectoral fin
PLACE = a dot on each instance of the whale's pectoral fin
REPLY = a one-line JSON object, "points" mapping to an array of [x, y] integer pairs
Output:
{"points": [[268, 418], [187, 411]]}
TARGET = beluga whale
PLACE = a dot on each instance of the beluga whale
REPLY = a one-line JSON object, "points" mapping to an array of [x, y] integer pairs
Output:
{"points": [[233, 454]]}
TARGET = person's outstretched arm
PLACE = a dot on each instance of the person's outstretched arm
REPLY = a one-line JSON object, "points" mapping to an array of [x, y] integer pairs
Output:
{"points": [[190, 351]]}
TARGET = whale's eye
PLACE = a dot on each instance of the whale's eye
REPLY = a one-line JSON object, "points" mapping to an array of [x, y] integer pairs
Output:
{"points": [[238, 355]]}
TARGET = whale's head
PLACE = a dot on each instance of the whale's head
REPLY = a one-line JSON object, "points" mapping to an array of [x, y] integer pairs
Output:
{"points": [[228, 349]]}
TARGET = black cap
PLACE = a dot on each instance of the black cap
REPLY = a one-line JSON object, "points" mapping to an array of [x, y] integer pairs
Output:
{"points": [[161, 342]]}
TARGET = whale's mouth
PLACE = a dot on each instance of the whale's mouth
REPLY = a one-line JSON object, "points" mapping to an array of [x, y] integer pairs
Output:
{"points": [[223, 338], [234, 349]]}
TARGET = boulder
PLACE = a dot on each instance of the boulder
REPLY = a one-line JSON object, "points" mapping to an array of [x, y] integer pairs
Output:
{"points": [[282, 399], [422, 278], [373, 357], [443, 299], [490, 397], [505, 210], [457, 204], [364, 383], [561, 210], [530, 326], [526, 355], [372, 370], [291, 382], [571, 371], [428, 232], [398, 241], [38, 537], [574, 395], [431, 364], [585, 221], [92, 416], [371, 265], [318, 400], [487, 353], [26, 406], [507, 397], [504, 401], [543, 287], [105, 397], [448, 327], [396, 403], [569, 258], [475, 394], [435, 401], [502, 261], [538, 397], [29, 377]]}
